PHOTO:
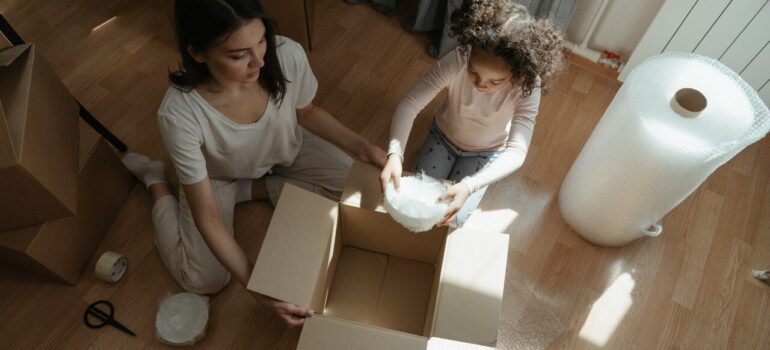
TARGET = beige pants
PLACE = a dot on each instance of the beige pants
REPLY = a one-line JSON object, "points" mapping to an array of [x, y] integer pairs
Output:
{"points": [[319, 167]]}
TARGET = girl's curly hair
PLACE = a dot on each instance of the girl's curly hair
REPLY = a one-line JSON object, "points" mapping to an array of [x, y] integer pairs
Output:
{"points": [[532, 47]]}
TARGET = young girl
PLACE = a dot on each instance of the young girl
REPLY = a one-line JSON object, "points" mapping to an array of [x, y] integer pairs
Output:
{"points": [[238, 122], [482, 132]]}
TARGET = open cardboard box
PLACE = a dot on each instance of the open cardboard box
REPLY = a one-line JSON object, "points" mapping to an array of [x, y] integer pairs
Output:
{"points": [[38, 141], [374, 283]]}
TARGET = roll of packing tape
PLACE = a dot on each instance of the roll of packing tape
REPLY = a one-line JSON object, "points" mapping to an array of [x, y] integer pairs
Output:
{"points": [[111, 267]]}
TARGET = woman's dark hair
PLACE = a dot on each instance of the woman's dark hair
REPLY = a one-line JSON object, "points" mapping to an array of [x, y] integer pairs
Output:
{"points": [[531, 47], [203, 24]]}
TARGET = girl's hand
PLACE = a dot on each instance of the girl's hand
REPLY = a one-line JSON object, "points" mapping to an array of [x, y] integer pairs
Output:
{"points": [[371, 154], [392, 171], [457, 194], [292, 315]]}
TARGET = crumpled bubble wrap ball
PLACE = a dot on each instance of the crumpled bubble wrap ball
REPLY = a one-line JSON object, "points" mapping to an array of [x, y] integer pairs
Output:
{"points": [[415, 204]]}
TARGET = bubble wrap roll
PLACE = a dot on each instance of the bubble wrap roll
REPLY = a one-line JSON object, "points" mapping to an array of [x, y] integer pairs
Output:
{"points": [[648, 152]]}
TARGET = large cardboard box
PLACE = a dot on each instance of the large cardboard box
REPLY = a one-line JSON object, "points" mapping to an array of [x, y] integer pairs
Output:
{"points": [[61, 249], [38, 141], [293, 17], [375, 284]]}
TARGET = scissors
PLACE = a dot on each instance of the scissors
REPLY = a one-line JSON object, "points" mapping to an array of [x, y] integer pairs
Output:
{"points": [[105, 316]]}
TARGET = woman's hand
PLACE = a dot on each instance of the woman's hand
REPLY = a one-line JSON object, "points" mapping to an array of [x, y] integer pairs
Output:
{"points": [[392, 171], [318, 121], [457, 194], [371, 154], [294, 316]]}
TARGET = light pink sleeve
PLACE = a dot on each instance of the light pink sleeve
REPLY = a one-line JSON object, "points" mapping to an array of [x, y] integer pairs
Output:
{"points": [[516, 147], [445, 70]]}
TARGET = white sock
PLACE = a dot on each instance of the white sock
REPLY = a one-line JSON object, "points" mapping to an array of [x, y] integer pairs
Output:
{"points": [[146, 170]]}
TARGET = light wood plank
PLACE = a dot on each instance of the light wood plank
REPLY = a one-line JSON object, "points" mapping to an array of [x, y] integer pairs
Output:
{"points": [[691, 286]]}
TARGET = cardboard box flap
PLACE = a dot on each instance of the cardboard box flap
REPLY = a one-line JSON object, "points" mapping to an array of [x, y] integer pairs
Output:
{"points": [[19, 239], [362, 188], [4, 42], [8, 55], [324, 333], [14, 99], [295, 254], [471, 287], [446, 344], [8, 154], [378, 232]]}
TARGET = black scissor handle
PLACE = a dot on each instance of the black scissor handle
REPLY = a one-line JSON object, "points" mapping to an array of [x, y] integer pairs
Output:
{"points": [[104, 317]]}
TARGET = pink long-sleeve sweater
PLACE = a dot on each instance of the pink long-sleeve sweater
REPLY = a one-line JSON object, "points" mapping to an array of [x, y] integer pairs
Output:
{"points": [[470, 119]]}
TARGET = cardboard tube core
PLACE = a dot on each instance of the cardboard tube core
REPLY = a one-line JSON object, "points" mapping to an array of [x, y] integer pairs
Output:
{"points": [[689, 102]]}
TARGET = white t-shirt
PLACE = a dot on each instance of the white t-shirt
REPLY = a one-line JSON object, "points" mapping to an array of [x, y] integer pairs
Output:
{"points": [[203, 142]]}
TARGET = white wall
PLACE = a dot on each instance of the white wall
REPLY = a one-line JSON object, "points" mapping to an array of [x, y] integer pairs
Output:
{"points": [[621, 28]]}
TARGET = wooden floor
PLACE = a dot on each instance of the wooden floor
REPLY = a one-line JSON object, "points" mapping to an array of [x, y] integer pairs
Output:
{"points": [[689, 288]]}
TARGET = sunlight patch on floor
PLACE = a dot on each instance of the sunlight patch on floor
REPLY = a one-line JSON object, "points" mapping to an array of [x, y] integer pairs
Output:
{"points": [[105, 23], [496, 220], [608, 311]]}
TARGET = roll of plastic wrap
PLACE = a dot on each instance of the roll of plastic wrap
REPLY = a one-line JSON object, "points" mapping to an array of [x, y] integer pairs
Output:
{"points": [[675, 120], [182, 319]]}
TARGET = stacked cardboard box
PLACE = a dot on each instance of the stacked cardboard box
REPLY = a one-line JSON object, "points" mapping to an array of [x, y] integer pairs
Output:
{"points": [[375, 284], [57, 199], [38, 141]]}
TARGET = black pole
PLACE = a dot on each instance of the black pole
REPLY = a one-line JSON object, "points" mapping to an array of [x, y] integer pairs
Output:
{"points": [[9, 33], [89, 118], [100, 128]]}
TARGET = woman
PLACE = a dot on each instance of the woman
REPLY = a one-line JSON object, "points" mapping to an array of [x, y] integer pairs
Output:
{"points": [[238, 122]]}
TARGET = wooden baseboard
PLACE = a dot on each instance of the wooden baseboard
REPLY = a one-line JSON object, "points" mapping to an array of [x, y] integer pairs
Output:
{"points": [[590, 66]]}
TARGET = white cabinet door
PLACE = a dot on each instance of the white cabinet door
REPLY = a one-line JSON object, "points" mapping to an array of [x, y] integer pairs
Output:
{"points": [[729, 26], [735, 32]]}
